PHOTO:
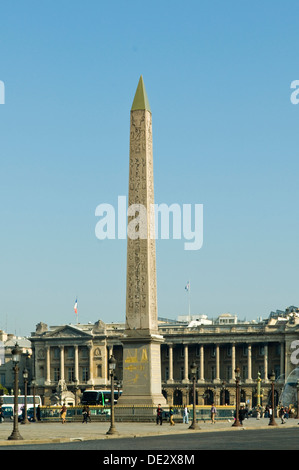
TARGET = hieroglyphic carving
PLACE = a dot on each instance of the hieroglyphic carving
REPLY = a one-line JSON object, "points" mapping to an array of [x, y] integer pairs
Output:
{"points": [[141, 310]]}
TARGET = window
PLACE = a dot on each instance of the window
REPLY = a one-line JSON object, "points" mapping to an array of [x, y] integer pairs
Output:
{"points": [[99, 370], [56, 353], [70, 353], [166, 373], [84, 374], [84, 353], [56, 374], [71, 374]]}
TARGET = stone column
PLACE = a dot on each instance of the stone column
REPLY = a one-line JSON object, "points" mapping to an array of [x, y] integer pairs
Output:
{"points": [[76, 363], [48, 365], [90, 363], [217, 364], [201, 379], [61, 362], [282, 369], [233, 362], [249, 363], [170, 364], [186, 379], [266, 362]]}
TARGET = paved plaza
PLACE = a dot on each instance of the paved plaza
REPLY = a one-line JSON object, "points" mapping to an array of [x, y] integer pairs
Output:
{"points": [[75, 431]]}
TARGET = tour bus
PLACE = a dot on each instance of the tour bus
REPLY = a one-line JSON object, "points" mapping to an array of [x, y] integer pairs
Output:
{"points": [[8, 403], [99, 397]]}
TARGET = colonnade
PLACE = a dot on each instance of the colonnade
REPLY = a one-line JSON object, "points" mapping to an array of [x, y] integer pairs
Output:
{"points": [[233, 364]]}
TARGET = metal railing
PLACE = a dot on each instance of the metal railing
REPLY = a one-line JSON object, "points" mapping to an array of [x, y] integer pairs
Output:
{"points": [[134, 413]]}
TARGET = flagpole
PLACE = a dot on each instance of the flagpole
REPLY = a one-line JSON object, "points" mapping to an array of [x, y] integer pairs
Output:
{"points": [[187, 288], [189, 301]]}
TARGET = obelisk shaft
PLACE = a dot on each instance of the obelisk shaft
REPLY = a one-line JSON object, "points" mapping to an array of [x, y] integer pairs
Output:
{"points": [[141, 307], [141, 342]]}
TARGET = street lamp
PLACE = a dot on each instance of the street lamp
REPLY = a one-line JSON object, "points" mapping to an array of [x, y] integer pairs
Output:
{"points": [[193, 370], [25, 377], [16, 357], [237, 375], [112, 365], [272, 421], [223, 389], [33, 386]]}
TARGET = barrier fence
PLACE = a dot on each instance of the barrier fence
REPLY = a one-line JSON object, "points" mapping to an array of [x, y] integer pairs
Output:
{"points": [[134, 413]]}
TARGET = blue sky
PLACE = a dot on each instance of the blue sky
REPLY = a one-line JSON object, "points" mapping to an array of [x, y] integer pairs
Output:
{"points": [[225, 135]]}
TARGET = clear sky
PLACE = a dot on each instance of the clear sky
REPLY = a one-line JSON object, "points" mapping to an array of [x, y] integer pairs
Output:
{"points": [[225, 135]]}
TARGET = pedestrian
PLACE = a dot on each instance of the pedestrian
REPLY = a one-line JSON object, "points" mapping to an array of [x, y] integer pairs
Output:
{"points": [[63, 413], [281, 414], [84, 414], [159, 412], [171, 413], [213, 413], [185, 415], [1, 415], [242, 414], [38, 413], [88, 413]]}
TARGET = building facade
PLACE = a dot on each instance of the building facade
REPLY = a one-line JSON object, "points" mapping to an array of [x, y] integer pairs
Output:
{"points": [[77, 357]]}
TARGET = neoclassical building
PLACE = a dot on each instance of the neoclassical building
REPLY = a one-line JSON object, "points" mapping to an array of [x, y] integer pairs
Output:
{"points": [[77, 357]]}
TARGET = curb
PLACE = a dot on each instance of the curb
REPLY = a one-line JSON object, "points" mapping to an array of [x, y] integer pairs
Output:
{"points": [[129, 436]]}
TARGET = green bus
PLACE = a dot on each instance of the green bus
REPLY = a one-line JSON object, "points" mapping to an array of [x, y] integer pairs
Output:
{"points": [[99, 397]]}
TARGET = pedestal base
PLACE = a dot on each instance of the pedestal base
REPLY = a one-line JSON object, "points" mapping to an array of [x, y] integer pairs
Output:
{"points": [[142, 373]]}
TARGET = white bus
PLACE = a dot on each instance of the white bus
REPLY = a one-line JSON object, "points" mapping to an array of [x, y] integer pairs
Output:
{"points": [[9, 400]]}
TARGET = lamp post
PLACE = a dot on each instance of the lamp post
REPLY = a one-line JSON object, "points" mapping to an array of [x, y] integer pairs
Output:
{"points": [[112, 365], [193, 370], [223, 389], [259, 389], [25, 377], [16, 357], [272, 421], [237, 375], [33, 386]]}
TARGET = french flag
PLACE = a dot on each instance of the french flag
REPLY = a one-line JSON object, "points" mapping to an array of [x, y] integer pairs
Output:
{"points": [[76, 307]]}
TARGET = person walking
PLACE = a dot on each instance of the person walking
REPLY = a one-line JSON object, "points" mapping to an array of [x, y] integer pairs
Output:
{"points": [[159, 412], [242, 414], [63, 413], [186, 415], [171, 413], [38, 413], [88, 413], [282, 414], [84, 414], [213, 413]]}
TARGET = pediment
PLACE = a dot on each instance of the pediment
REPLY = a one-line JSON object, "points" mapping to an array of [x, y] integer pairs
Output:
{"points": [[68, 331]]}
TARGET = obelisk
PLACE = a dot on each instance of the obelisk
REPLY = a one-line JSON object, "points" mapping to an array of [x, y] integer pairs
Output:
{"points": [[141, 343]]}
